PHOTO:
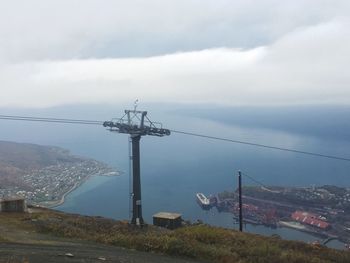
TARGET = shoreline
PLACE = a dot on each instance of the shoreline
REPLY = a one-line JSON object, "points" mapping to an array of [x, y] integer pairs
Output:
{"points": [[61, 201], [286, 225], [304, 229]]}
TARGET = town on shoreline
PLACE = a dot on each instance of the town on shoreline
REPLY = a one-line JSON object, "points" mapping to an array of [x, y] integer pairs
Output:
{"points": [[48, 186]]}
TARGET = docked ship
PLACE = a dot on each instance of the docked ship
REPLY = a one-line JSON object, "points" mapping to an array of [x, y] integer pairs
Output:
{"points": [[203, 201]]}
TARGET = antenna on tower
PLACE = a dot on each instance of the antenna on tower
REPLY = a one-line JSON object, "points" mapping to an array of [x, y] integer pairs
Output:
{"points": [[136, 124], [136, 104]]}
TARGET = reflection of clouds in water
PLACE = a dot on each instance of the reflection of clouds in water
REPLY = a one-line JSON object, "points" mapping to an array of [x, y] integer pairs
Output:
{"points": [[253, 135], [297, 129]]}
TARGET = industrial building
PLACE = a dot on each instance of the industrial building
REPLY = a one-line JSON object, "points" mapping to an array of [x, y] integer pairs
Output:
{"points": [[14, 204], [310, 219], [167, 220]]}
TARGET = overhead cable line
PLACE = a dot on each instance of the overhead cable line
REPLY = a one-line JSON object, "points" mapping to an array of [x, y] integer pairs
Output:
{"points": [[40, 119], [254, 180], [95, 122], [263, 145]]}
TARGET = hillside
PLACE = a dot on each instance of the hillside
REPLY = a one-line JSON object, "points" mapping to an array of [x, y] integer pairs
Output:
{"points": [[29, 156], [23, 240], [43, 228]]}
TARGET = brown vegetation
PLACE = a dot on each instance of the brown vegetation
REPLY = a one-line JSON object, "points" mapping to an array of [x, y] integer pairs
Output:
{"points": [[198, 241]]}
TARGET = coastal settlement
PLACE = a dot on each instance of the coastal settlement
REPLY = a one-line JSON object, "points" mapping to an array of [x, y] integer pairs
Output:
{"points": [[49, 184]]}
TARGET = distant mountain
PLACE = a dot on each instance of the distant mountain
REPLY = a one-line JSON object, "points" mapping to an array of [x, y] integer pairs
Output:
{"points": [[329, 122]]}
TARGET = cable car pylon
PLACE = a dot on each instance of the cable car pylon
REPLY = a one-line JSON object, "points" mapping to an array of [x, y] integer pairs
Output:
{"points": [[136, 124]]}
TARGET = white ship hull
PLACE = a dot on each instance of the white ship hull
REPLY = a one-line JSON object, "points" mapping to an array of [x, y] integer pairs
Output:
{"points": [[203, 201]]}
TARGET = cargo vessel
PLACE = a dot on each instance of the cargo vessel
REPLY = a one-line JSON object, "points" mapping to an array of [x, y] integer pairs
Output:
{"points": [[203, 201]]}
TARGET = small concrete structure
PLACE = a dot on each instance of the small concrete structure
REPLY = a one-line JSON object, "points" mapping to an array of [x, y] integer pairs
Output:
{"points": [[14, 204], [168, 220]]}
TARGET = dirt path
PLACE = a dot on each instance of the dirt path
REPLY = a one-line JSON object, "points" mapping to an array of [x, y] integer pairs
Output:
{"points": [[15, 253], [20, 242]]}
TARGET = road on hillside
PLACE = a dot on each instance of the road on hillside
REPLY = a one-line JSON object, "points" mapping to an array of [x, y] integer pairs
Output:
{"points": [[33, 253]]}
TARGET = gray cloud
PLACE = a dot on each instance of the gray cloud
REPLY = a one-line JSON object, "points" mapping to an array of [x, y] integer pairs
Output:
{"points": [[222, 52], [67, 29]]}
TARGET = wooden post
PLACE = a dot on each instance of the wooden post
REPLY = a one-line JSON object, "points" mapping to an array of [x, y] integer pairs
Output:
{"points": [[240, 201]]}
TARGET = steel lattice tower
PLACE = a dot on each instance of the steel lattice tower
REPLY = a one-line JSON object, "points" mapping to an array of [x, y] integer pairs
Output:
{"points": [[137, 124]]}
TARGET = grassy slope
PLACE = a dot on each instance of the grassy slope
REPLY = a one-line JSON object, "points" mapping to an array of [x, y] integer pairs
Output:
{"points": [[198, 242]]}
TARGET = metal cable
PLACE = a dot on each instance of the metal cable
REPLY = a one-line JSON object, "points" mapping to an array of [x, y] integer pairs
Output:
{"points": [[95, 122], [254, 180], [263, 146], [41, 119]]}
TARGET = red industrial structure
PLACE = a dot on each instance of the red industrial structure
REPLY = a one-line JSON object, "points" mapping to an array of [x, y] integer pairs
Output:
{"points": [[310, 219]]}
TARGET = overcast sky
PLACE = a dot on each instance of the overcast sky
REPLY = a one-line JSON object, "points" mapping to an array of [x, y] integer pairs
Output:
{"points": [[222, 52]]}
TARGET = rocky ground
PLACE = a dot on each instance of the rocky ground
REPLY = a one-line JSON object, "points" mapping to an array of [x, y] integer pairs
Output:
{"points": [[77, 252]]}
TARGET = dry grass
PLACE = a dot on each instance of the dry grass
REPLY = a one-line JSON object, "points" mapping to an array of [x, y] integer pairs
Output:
{"points": [[200, 242]]}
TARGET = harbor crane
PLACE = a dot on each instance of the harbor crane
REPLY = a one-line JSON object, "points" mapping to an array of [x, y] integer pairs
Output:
{"points": [[136, 124]]}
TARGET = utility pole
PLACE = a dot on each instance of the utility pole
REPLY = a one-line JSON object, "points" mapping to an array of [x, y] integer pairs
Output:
{"points": [[136, 124], [240, 201]]}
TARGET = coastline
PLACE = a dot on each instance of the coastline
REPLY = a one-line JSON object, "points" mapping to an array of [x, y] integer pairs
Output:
{"points": [[292, 225], [304, 229], [61, 201]]}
